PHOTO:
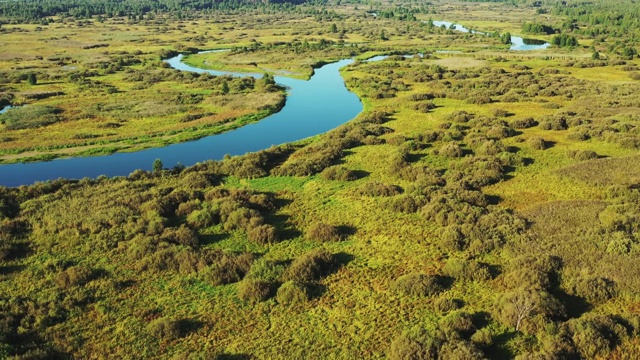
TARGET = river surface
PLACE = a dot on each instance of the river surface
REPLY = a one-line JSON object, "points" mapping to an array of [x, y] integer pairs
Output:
{"points": [[313, 107], [517, 43]]}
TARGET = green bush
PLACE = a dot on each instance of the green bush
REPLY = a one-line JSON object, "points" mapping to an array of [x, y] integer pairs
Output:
{"points": [[255, 291], [469, 270], [322, 232], [74, 276], [415, 343], [446, 304], [311, 266], [582, 155], [263, 234], [30, 117], [524, 123], [375, 188], [292, 293], [460, 349], [451, 150], [228, 269], [417, 285], [537, 143], [594, 289], [165, 329], [338, 172], [458, 324]]}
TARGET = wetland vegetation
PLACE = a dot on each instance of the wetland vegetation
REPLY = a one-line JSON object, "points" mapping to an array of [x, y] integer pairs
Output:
{"points": [[483, 205]]}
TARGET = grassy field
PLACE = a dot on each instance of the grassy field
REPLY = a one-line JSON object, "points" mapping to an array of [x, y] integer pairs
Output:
{"points": [[484, 204]]}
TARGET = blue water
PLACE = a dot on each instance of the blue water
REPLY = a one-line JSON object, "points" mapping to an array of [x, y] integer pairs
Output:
{"points": [[313, 107], [4, 110], [517, 43]]}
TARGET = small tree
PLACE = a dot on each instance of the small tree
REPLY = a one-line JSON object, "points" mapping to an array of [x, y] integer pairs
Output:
{"points": [[32, 79], [157, 165], [506, 38], [334, 28]]}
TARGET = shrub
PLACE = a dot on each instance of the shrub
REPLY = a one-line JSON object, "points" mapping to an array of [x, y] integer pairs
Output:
{"points": [[375, 188], [524, 123], [451, 150], [338, 173], [255, 291], [311, 266], [479, 99], [322, 232], [469, 270], [491, 147], [165, 329], [499, 132], [459, 323], [421, 97], [460, 116], [447, 304], [243, 218], [292, 293], [537, 143], [30, 117], [266, 270], [415, 343], [74, 276], [459, 349], [228, 269], [582, 155], [595, 336], [203, 218], [263, 234], [182, 236], [417, 285], [482, 338], [499, 113], [424, 107], [196, 180], [595, 289]]}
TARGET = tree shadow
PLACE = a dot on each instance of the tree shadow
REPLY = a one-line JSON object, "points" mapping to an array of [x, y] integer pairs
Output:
{"points": [[574, 305], [347, 230], [361, 174], [10, 269], [493, 199], [480, 319], [315, 290], [235, 357], [413, 158], [342, 259], [499, 349], [188, 326]]}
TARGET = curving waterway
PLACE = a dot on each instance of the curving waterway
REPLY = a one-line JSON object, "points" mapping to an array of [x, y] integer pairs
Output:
{"points": [[517, 43], [312, 107]]}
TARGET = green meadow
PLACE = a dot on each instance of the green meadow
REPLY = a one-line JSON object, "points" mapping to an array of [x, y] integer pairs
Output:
{"points": [[484, 205]]}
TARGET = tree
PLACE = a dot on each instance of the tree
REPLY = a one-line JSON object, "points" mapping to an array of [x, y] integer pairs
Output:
{"points": [[334, 28], [225, 88], [506, 38], [32, 79], [595, 56], [517, 306], [157, 165]]}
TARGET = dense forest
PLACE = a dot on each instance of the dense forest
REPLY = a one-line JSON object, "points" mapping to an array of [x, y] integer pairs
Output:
{"points": [[484, 205]]}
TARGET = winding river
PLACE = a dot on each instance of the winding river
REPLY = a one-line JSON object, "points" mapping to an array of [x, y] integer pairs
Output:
{"points": [[517, 43], [312, 107]]}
